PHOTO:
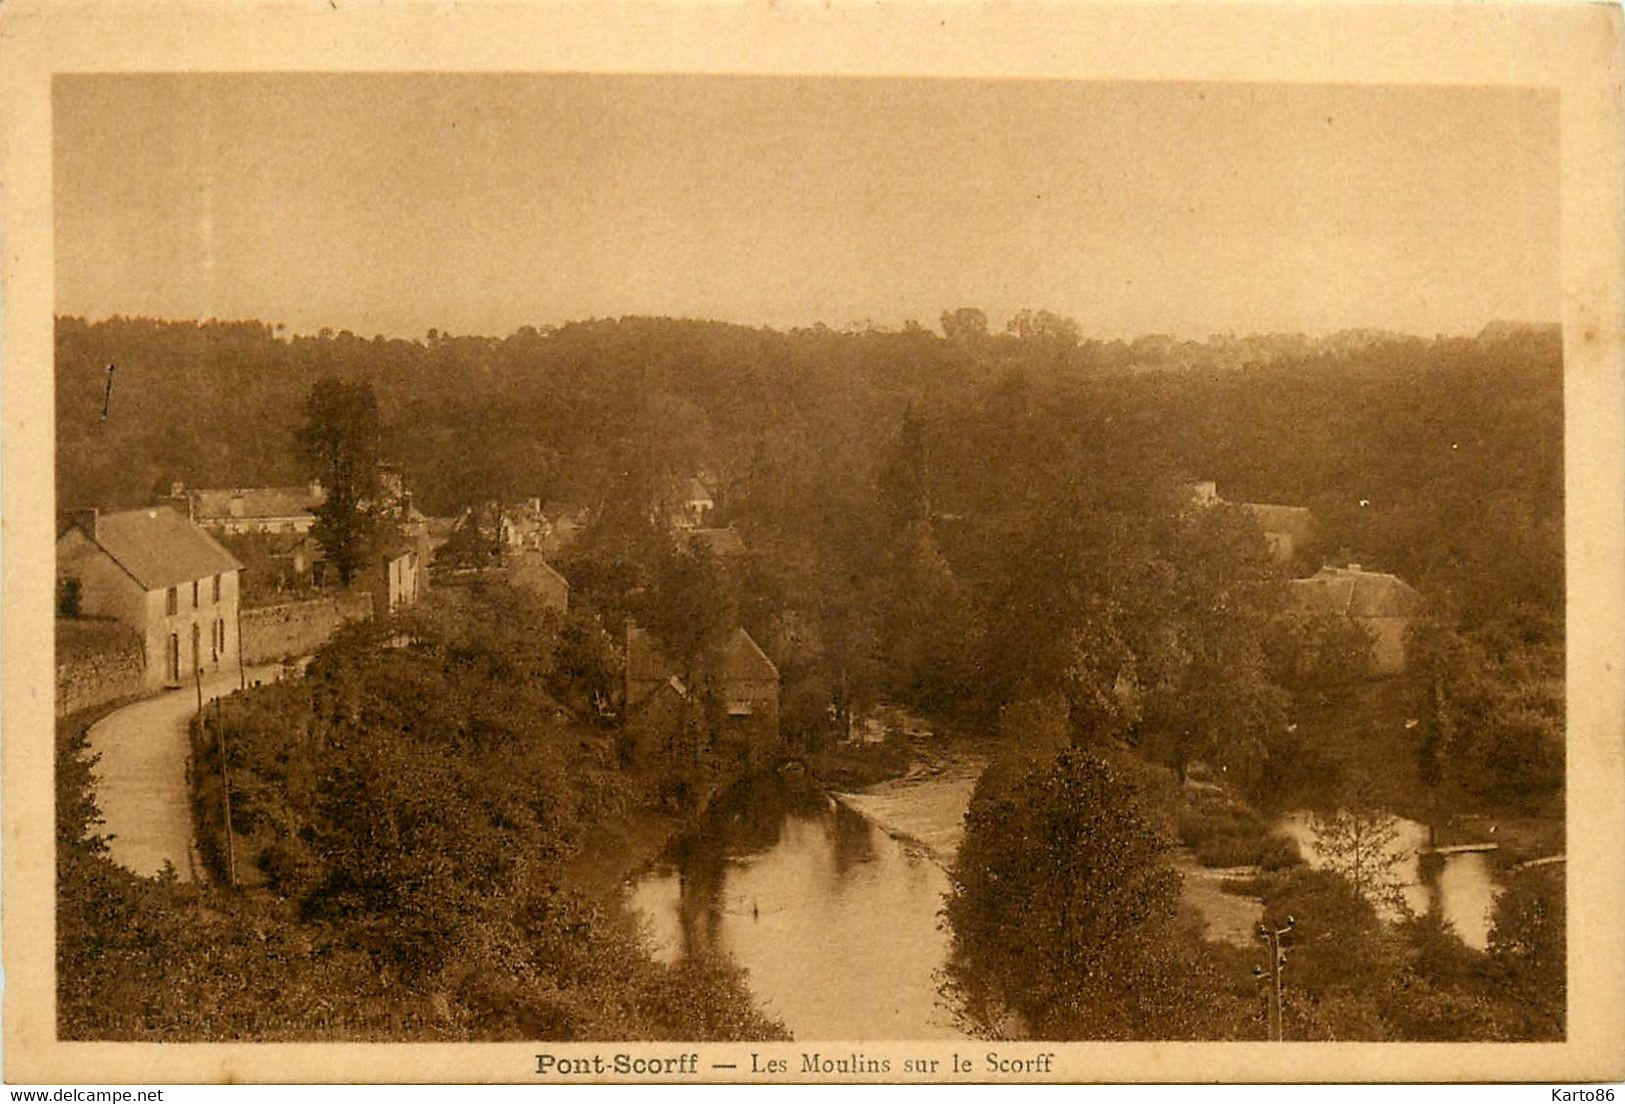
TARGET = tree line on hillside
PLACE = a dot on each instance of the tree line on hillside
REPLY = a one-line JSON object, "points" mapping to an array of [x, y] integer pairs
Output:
{"points": [[1403, 447], [967, 523]]}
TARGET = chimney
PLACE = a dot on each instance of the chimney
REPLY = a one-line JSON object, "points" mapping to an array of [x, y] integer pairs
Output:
{"points": [[86, 521]]}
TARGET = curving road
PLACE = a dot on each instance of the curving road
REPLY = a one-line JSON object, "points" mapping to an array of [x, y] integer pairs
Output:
{"points": [[140, 779]]}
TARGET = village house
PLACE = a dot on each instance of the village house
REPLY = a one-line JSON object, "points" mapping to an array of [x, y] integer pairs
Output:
{"points": [[531, 524], [1287, 530], [161, 575], [523, 525], [529, 571], [1381, 604], [394, 577], [660, 705], [239, 510], [276, 564], [693, 506], [279, 510]]}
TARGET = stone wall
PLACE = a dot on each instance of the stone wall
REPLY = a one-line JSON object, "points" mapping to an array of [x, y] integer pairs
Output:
{"points": [[290, 629], [97, 660]]}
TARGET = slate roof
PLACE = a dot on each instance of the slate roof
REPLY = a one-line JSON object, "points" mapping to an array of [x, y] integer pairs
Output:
{"points": [[531, 560], [160, 548], [258, 502], [644, 663], [742, 659], [1356, 593]]}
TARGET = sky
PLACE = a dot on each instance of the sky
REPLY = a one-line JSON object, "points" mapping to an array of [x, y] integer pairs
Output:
{"points": [[475, 204]]}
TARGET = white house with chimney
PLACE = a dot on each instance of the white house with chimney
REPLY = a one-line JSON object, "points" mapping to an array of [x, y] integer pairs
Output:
{"points": [[163, 576]]}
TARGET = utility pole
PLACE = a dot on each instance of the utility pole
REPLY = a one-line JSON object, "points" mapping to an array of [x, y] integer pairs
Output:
{"points": [[1272, 938], [242, 673], [225, 791]]}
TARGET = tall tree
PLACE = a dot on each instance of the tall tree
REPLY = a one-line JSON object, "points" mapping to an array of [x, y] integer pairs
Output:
{"points": [[690, 607], [1360, 843], [1062, 907], [905, 482], [340, 439], [966, 325]]}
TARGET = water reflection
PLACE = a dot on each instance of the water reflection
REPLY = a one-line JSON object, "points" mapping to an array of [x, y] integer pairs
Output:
{"points": [[1461, 886], [835, 920]]}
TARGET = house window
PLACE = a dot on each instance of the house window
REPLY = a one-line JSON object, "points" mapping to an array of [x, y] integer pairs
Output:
{"points": [[217, 590], [194, 593], [171, 601], [67, 597]]}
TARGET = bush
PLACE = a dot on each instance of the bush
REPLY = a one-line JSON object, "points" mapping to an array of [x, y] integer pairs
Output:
{"points": [[1278, 852], [1225, 833], [1222, 851]]}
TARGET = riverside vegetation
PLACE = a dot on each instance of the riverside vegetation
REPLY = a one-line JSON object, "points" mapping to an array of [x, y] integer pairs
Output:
{"points": [[407, 814]]}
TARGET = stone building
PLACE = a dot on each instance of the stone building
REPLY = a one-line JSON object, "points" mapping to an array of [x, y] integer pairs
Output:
{"points": [[161, 575], [733, 702], [529, 571], [1384, 605]]}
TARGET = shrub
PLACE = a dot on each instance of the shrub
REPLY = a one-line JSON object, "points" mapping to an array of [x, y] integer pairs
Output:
{"points": [[1226, 833], [1220, 851], [1278, 852]]}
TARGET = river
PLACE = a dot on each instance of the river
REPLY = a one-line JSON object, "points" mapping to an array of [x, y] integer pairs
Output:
{"points": [[831, 902], [834, 917]]}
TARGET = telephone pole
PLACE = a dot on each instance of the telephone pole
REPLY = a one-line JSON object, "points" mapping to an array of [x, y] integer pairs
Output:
{"points": [[1272, 938], [225, 792]]}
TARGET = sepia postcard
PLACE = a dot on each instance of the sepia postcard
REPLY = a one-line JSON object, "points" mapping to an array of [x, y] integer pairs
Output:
{"points": [[932, 542]]}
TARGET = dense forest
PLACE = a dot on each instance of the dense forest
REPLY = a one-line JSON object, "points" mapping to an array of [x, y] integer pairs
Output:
{"points": [[1403, 447], [951, 519]]}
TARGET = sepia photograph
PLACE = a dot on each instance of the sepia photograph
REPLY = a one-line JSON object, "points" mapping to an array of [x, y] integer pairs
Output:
{"points": [[828, 562]]}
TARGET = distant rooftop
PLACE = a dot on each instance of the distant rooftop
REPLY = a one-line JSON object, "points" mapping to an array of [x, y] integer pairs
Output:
{"points": [[742, 659], [1355, 592], [255, 502]]}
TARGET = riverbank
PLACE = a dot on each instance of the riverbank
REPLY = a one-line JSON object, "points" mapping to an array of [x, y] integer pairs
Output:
{"points": [[924, 806], [616, 848], [1370, 738]]}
